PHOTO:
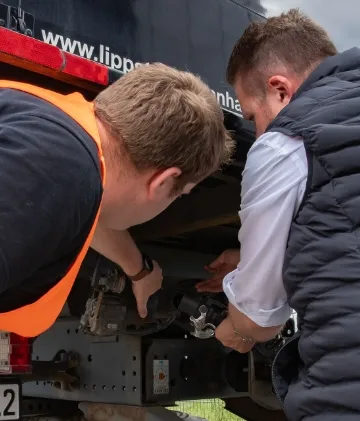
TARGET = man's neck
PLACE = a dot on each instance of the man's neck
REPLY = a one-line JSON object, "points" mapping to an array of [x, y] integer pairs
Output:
{"points": [[119, 194]]}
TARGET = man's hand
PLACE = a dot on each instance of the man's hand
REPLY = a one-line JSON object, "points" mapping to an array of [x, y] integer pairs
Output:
{"points": [[227, 335], [239, 332], [119, 247], [219, 268], [146, 287]]}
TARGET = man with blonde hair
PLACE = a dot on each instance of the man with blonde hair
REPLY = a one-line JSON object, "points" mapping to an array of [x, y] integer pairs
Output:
{"points": [[300, 233], [76, 175]]}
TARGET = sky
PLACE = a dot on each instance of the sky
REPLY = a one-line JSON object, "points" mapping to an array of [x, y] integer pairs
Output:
{"points": [[339, 18]]}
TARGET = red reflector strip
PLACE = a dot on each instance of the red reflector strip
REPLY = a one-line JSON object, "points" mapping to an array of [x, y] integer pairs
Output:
{"points": [[29, 49], [86, 69], [46, 55], [15, 353]]}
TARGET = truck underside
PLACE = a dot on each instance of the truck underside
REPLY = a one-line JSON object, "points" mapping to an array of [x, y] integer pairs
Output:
{"points": [[100, 351]]}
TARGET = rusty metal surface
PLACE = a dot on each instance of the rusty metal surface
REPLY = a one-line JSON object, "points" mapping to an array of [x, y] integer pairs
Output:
{"points": [[100, 412]]}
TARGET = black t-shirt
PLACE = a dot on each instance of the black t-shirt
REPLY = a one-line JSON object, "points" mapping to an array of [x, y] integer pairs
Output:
{"points": [[50, 191]]}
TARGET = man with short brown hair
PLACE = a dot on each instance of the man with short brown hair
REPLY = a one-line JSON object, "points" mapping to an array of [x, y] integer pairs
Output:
{"points": [[300, 233], [76, 174], [165, 118]]}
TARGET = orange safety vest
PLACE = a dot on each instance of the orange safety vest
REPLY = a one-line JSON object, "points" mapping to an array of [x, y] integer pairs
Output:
{"points": [[35, 318]]}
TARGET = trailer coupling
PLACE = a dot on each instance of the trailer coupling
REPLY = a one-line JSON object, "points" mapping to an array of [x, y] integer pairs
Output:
{"points": [[202, 330]]}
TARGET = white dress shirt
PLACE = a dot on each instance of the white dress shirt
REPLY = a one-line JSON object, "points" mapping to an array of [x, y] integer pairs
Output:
{"points": [[273, 185]]}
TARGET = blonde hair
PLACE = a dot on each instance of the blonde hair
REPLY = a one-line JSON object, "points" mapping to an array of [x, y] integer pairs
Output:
{"points": [[163, 118]]}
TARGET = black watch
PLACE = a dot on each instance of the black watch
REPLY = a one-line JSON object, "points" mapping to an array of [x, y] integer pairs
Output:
{"points": [[148, 267]]}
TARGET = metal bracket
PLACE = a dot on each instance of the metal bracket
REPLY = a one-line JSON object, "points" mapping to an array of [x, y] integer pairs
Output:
{"points": [[202, 330], [16, 19], [122, 369], [109, 370]]}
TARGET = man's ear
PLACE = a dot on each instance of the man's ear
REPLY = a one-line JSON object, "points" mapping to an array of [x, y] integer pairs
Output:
{"points": [[282, 87], [162, 182]]}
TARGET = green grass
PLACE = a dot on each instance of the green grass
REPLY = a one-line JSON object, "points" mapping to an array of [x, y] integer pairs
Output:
{"points": [[210, 409]]}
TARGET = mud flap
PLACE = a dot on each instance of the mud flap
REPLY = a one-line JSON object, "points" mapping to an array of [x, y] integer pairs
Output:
{"points": [[261, 389], [286, 367]]}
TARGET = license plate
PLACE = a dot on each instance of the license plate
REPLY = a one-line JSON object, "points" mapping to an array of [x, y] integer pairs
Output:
{"points": [[10, 398]]}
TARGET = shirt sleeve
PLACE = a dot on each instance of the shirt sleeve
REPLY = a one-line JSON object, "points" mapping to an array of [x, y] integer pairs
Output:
{"points": [[273, 184]]}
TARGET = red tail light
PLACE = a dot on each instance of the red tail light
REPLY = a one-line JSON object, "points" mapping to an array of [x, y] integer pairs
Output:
{"points": [[15, 353], [24, 51]]}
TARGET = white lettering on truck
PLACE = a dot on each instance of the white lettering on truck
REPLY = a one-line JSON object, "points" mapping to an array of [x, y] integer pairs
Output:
{"points": [[116, 62]]}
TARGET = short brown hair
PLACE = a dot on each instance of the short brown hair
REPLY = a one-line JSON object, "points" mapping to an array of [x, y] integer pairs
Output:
{"points": [[291, 40], [166, 118]]}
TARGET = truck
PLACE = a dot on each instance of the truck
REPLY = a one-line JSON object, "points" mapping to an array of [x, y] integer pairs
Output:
{"points": [[100, 359]]}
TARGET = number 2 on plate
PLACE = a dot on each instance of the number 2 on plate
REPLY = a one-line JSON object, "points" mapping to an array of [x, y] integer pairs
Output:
{"points": [[10, 396], [7, 411]]}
